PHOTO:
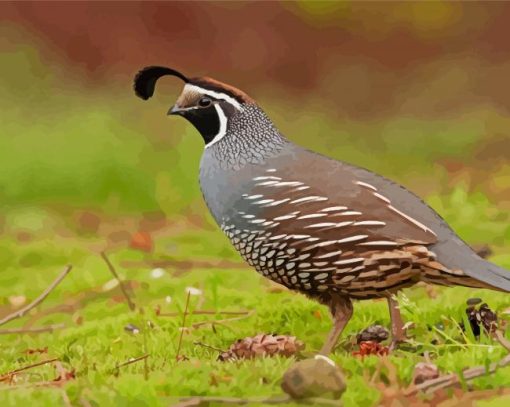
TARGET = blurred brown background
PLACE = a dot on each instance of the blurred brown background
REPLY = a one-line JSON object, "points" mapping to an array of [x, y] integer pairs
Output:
{"points": [[367, 58], [416, 91]]}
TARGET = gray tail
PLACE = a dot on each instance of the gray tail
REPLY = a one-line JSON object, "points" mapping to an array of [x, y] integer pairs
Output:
{"points": [[491, 274], [455, 254]]}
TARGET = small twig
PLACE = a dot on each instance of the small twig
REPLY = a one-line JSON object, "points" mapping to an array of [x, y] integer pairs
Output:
{"points": [[445, 381], [500, 337], [131, 361], [221, 321], [39, 329], [203, 312], [38, 300], [66, 399], [145, 324], [22, 369], [199, 400], [377, 373], [204, 345], [183, 325], [121, 283]]}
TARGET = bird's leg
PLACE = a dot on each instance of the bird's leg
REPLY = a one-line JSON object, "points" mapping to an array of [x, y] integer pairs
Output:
{"points": [[341, 309], [398, 334]]}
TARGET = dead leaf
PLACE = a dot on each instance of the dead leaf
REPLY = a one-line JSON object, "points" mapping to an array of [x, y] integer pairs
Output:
{"points": [[317, 314], [88, 222], [141, 241], [64, 375], [371, 348]]}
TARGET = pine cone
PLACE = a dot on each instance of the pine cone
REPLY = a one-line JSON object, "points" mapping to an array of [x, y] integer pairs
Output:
{"points": [[488, 318], [262, 345], [481, 316], [374, 333]]}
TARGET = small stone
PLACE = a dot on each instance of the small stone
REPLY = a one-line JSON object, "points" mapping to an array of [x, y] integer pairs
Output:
{"points": [[110, 284], [157, 273], [473, 301], [133, 329], [193, 291], [425, 371], [374, 333], [318, 377]]}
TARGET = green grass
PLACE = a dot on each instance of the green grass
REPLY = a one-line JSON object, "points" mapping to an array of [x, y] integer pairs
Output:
{"points": [[95, 341]]}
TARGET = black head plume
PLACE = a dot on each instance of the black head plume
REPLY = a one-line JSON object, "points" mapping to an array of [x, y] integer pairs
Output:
{"points": [[145, 80]]}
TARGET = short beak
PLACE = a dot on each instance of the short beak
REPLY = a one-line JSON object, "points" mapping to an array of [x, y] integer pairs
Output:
{"points": [[175, 110]]}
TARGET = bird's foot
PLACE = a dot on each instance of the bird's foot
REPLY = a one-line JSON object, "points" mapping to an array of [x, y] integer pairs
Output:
{"points": [[401, 342], [395, 343]]}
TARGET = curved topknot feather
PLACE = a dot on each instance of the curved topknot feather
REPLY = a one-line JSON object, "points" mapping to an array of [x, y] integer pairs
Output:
{"points": [[145, 80]]}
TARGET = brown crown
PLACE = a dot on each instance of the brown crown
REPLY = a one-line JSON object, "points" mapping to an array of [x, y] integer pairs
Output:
{"points": [[217, 86]]}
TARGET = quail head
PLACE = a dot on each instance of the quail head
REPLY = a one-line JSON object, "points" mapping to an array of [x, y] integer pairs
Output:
{"points": [[323, 227]]}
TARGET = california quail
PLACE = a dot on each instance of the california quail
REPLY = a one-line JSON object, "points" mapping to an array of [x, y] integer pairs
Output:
{"points": [[323, 227]]}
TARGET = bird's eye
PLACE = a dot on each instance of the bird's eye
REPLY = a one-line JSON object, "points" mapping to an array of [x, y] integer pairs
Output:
{"points": [[204, 102]]}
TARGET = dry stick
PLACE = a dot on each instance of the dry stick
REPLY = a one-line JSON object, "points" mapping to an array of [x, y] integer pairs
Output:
{"points": [[130, 361], [183, 326], [121, 283], [39, 329], [38, 300], [452, 379], [145, 364], [469, 374], [204, 345], [222, 321], [204, 312], [196, 400], [21, 369]]}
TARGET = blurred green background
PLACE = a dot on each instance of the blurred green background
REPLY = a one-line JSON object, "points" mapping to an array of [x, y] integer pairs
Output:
{"points": [[416, 91]]}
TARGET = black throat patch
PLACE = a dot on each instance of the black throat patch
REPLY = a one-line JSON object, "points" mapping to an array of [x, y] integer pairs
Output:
{"points": [[206, 121]]}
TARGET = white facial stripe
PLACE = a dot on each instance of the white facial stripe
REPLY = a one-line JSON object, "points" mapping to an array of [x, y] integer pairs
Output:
{"points": [[223, 126], [216, 95]]}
